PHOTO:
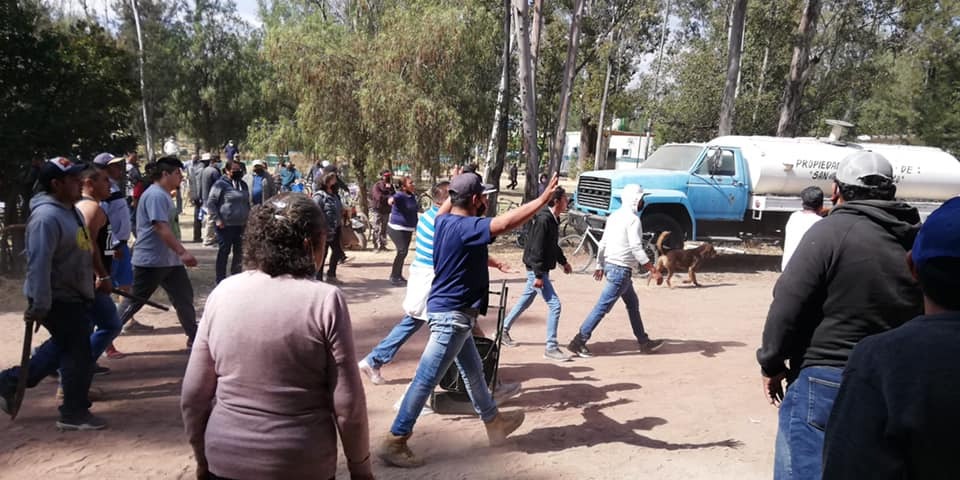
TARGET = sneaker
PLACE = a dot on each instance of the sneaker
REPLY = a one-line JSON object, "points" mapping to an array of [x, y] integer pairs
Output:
{"points": [[579, 347], [371, 372], [556, 354], [134, 326], [344, 260], [507, 340], [88, 422], [651, 346], [426, 410], [332, 280], [506, 391], [398, 282], [99, 370]]}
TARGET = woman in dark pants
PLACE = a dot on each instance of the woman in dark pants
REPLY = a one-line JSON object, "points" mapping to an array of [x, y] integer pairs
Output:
{"points": [[403, 221], [329, 201]]}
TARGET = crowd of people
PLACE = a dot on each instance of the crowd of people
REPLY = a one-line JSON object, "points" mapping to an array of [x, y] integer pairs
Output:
{"points": [[855, 352]]}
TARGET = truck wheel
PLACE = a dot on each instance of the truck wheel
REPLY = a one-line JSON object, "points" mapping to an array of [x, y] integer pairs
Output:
{"points": [[656, 223]]}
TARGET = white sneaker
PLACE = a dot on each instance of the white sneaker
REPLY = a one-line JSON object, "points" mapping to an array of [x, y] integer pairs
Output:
{"points": [[372, 373]]}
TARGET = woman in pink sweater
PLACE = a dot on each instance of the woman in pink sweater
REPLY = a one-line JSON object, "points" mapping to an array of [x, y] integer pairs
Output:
{"points": [[273, 376]]}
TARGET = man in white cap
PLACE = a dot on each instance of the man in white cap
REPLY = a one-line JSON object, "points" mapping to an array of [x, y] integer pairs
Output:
{"points": [[846, 281], [619, 254], [260, 183]]}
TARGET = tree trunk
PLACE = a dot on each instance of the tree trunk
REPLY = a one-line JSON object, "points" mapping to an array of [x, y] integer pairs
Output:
{"points": [[148, 141], [799, 66], [566, 89], [536, 26], [600, 160], [734, 52], [498, 137], [588, 139], [527, 102]]}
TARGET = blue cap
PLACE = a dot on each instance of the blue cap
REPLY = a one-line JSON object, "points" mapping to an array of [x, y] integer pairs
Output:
{"points": [[940, 235]]}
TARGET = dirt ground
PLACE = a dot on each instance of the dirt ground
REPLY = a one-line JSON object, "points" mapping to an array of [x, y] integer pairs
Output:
{"points": [[692, 410]]}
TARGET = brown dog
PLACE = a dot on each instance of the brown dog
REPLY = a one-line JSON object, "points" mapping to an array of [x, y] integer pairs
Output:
{"points": [[678, 260]]}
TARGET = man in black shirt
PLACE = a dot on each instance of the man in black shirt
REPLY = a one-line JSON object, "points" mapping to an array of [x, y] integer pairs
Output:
{"points": [[846, 281]]}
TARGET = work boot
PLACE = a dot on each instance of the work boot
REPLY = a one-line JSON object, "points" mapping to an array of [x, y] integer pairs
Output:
{"points": [[394, 451], [579, 347], [502, 425]]}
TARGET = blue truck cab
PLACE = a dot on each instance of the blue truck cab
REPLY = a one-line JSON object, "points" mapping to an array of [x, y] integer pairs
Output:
{"points": [[686, 185]]}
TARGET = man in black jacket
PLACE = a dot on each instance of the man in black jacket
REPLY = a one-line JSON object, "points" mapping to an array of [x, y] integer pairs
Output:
{"points": [[846, 281], [896, 414], [541, 254]]}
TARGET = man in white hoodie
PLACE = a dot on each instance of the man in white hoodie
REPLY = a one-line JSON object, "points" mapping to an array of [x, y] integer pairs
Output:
{"points": [[619, 254]]}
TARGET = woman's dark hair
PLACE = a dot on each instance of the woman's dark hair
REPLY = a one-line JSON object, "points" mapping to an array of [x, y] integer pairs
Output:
{"points": [[881, 189], [325, 179], [940, 281], [274, 238]]}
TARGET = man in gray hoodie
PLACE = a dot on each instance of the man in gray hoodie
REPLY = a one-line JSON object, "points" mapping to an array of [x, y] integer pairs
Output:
{"points": [[59, 289], [208, 176]]}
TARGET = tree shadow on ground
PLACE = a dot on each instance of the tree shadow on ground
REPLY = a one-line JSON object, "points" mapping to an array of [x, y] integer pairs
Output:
{"points": [[569, 396], [671, 346], [597, 428], [530, 371], [146, 391]]}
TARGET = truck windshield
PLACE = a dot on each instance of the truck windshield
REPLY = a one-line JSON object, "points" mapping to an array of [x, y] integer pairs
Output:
{"points": [[673, 157]]}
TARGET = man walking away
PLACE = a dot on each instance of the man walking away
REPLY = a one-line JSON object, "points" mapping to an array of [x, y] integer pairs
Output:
{"points": [[542, 253], [800, 222], [619, 254], [158, 257], [513, 176], [195, 180], [896, 413], [846, 281], [59, 290], [459, 294], [229, 207], [260, 183], [209, 176], [380, 211]]}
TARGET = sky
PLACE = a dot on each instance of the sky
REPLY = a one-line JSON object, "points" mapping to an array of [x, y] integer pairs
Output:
{"points": [[247, 9]]}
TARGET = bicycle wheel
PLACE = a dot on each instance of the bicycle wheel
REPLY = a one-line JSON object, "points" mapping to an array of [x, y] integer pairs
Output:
{"points": [[580, 252], [650, 248]]}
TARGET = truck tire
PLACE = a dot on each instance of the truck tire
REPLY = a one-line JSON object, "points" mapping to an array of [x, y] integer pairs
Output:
{"points": [[656, 223], [581, 253]]}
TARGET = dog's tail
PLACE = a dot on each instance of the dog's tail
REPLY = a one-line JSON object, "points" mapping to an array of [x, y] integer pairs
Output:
{"points": [[663, 236]]}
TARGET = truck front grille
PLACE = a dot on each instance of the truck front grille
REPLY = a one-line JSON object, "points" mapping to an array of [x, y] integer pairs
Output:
{"points": [[593, 192]]}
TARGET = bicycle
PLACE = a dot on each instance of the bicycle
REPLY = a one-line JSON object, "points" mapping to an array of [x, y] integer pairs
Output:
{"points": [[581, 250]]}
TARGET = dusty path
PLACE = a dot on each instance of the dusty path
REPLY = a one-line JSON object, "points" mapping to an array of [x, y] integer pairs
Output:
{"points": [[693, 410]]}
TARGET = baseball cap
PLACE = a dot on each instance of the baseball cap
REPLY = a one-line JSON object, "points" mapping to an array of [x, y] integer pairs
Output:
{"points": [[259, 163], [58, 167], [858, 168], [470, 184], [940, 235], [105, 159], [205, 157]]}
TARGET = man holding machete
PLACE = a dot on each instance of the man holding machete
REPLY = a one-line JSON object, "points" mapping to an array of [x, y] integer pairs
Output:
{"points": [[59, 288]]}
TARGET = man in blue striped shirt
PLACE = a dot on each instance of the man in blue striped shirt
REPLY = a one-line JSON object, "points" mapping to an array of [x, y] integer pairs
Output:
{"points": [[418, 289]]}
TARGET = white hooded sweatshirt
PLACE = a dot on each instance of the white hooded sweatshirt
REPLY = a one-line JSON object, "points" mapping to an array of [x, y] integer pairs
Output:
{"points": [[622, 242]]}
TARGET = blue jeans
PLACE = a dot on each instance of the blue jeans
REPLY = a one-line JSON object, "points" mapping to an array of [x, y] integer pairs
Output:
{"points": [[619, 284], [107, 320], [384, 352], [451, 340], [803, 419], [230, 237], [526, 299], [67, 349]]}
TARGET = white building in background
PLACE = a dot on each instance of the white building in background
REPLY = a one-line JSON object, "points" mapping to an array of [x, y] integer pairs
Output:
{"points": [[624, 149]]}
